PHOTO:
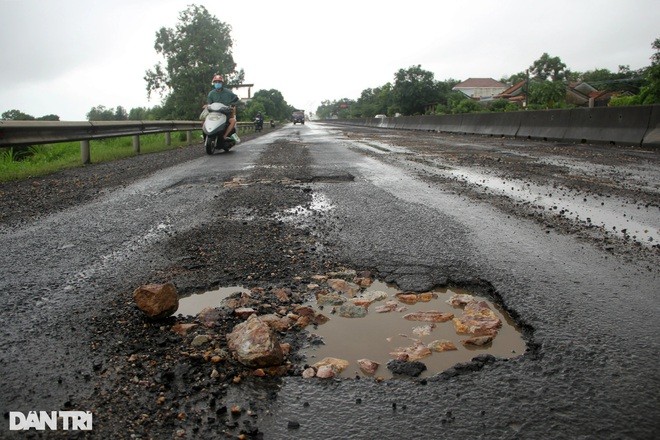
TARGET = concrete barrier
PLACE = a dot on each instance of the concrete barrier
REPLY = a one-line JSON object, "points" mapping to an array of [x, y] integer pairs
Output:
{"points": [[450, 123], [503, 124], [428, 122], [633, 125], [616, 125], [471, 123], [368, 122], [418, 123], [544, 124], [492, 124], [652, 135]]}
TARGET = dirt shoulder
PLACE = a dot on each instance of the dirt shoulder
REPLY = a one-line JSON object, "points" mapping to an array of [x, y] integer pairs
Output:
{"points": [[23, 200]]}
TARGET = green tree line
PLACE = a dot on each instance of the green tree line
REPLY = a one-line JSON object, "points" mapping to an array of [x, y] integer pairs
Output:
{"points": [[415, 91]]}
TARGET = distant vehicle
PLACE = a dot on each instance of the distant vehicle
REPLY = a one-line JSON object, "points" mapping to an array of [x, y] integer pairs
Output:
{"points": [[380, 116], [298, 116]]}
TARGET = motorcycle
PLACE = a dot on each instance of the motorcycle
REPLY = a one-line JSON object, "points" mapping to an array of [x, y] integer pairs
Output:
{"points": [[258, 124], [214, 128]]}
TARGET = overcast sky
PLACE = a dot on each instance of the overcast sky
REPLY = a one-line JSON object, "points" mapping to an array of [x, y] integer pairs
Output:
{"points": [[64, 57]]}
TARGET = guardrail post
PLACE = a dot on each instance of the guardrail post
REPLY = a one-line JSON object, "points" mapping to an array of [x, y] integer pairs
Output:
{"points": [[136, 144], [189, 136], [168, 138], [84, 152]]}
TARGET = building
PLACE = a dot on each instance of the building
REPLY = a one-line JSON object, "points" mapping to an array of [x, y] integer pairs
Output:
{"points": [[577, 94], [583, 94], [515, 93], [480, 88]]}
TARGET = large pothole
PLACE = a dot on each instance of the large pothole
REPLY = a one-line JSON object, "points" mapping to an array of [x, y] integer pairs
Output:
{"points": [[345, 324], [380, 324]]}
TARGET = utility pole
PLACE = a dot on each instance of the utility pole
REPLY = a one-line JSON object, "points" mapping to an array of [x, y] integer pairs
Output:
{"points": [[525, 104]]}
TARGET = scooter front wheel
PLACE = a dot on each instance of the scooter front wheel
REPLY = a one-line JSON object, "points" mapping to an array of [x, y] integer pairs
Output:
{"points": [[209, 145]]}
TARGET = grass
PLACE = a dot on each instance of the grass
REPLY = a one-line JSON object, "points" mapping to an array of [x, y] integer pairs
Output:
{"points": [[40, 160]]}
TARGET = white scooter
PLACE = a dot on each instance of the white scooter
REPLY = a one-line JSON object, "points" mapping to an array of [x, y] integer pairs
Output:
{"points": [[214, 128]]}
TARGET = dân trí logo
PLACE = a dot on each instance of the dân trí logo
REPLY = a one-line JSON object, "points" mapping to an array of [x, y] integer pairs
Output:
{"points": [[53, 420]]}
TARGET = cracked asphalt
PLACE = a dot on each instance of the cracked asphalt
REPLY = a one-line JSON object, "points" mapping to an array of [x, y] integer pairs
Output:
{"points": [[535, 226]]}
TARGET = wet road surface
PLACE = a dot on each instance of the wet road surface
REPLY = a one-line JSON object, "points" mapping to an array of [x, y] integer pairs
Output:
{"points": [[591, 316]]}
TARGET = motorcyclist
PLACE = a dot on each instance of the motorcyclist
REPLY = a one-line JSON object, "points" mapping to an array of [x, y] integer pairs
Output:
{"points": [[259, 120], [224, 96]]}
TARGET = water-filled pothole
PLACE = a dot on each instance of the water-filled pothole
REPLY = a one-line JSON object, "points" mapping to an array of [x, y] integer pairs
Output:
{"points": [[193, 304], [407, 331]]}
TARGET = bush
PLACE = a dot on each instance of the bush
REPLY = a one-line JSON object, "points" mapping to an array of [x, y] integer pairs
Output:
{"points": [[618, 101], [467, 106], [502, 105]]}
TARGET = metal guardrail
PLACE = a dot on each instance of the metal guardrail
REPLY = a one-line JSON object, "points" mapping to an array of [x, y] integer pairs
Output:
{"points": [[16, 133], [21, 133]]}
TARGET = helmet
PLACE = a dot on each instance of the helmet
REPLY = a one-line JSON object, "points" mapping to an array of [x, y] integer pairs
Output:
{"points": [[217, 78]]}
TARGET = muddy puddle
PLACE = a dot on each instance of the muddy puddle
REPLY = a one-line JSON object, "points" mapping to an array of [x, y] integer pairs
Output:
{"points": [[386, 323], [193, 304], [382, 336]]}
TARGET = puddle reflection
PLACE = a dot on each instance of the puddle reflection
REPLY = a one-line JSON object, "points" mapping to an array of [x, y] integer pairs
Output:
{"points": [[193, 304]]}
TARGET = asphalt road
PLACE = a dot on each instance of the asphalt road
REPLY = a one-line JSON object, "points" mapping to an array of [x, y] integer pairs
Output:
{"points": [[588, 305]]}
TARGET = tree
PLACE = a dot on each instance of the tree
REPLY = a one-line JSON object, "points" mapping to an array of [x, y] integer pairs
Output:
{"points": [[502, 105], [50, 117], [253, 108], [16, 115], [271, 105], [603, 79], [373, 102], [650, 94], [138, 114], [120, 114], [101, 113], [197, 48], [546, 94], [466, 105], [445, 92], [414, 88], [655, 58], [515, 78], [326, 110], [548, 67], [335, 109]]}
